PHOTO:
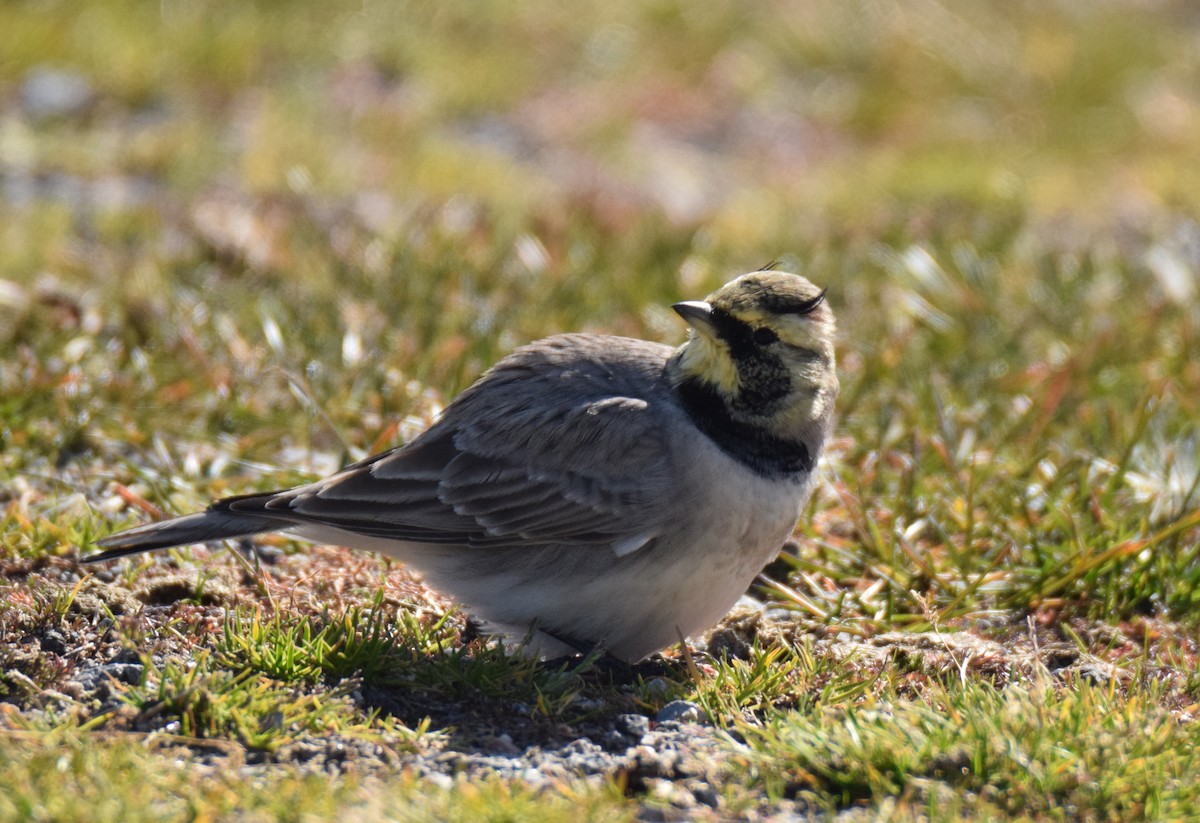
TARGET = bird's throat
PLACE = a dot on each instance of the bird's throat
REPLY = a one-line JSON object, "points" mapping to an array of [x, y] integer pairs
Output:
{"points": [[702, 358], [755, 446]]}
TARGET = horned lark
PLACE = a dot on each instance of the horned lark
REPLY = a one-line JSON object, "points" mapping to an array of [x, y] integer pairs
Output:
{"points": [[589, 491]]}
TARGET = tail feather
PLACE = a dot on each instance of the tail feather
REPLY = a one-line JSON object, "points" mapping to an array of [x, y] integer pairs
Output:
{"points": [[202, 527]]}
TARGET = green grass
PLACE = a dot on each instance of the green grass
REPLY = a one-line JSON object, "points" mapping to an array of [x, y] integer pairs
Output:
{"points": [[395, 650], [354, 643], [203, 701], [1028, 751], [277, 237], [71, 777]]}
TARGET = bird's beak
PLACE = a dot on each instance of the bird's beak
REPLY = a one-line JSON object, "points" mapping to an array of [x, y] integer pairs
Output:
{"points": [[698, 315]]}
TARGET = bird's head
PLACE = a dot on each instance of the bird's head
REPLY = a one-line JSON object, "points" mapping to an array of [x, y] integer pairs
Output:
{"points": [[762, 345]]}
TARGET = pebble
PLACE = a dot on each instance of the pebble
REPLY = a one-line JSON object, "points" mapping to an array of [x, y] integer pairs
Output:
{"points": [[96, 678], [632, 725], [442, 781], [53, 642], [728, 644], [656, 686], [679, 711], [52, 92]]}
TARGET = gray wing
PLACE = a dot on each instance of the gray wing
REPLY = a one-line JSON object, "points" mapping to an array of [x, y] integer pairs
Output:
{"points": [[544, 449]]}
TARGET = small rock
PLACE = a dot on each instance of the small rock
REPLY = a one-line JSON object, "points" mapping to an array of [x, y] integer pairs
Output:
{"points": [[94, 679], [53, 642], [500, 744], [707, 795], [443, 781], [728, 644], [678, 711], [649, 764], [656, 686], [614, 741], [750, 604], [670, 792], [52, 92], [632, 725]]}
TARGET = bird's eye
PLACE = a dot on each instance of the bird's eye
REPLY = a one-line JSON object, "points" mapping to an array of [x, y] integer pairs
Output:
{"points": [[764, 336]]}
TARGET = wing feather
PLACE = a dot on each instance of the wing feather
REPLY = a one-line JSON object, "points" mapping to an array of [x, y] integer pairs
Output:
{"points": [[558, 452]]}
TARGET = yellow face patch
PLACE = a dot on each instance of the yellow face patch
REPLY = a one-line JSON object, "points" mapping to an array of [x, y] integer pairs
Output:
{"points": [[708, 359]]}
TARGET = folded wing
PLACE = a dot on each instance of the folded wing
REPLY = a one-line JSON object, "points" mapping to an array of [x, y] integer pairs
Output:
{"points": [[504, 468]]}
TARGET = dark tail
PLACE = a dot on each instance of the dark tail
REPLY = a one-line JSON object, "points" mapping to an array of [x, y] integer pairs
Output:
{"points": [[202, 527]]}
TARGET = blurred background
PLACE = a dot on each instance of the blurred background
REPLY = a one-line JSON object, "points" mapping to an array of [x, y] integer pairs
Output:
{"points": [[746, 118], [241, 241]]}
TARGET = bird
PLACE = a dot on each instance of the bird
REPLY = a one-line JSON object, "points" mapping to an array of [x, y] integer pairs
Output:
{"points": [[589, 492]]}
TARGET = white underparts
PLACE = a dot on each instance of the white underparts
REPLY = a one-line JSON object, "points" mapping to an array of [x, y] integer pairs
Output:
{"points": [[631, 544]]}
